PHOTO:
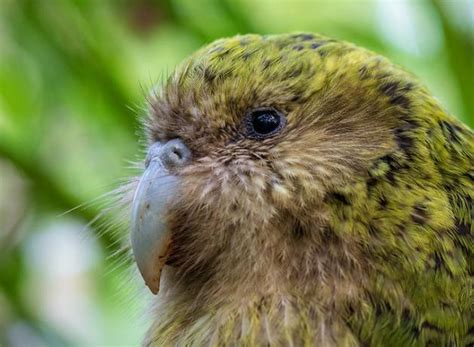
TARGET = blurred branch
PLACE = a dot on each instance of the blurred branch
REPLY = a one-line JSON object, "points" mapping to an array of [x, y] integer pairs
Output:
{"points": [[90, 64], [460, 50], [45, 186], [173, 16], [229, 8], [11, 283], [11, 264], [241, 21]]}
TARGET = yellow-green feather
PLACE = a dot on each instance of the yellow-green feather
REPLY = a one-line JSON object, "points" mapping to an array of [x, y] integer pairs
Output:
{"points": [[405, 203]]}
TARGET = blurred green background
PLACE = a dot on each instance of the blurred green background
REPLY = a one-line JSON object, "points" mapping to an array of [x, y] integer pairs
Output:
{"points": [[73, 75]]}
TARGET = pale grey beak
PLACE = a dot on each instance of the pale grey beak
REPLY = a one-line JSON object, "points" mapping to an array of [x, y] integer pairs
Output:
{"points": [[151, 239]]}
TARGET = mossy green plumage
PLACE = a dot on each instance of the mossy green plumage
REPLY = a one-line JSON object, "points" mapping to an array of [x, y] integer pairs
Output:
{"points": [[357, 219]]}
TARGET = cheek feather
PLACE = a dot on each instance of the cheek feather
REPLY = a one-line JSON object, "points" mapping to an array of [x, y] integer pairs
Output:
{"points": [[280, 193], [222, 184]]}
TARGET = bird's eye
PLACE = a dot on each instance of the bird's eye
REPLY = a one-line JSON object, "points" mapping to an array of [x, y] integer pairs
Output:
{"points": [[263, 122]]}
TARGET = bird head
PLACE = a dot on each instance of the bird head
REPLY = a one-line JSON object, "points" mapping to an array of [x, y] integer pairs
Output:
{"points": [[273, 162]]}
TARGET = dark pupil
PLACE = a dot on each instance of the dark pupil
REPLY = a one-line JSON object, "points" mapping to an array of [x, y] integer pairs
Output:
{"points": [[265, 122]]}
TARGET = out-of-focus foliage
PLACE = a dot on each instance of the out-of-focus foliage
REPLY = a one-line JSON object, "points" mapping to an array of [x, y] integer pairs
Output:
{"points": [[73, 76]]}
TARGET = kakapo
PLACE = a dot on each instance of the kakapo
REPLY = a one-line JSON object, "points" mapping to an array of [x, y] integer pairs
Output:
{"points": [[302, 191]]}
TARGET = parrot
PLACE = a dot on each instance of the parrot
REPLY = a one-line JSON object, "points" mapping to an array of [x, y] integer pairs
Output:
{"points": [[299, 190]]}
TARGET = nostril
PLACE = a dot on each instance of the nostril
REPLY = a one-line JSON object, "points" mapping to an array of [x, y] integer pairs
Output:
{"points": [[173, 153], [177, 152]]}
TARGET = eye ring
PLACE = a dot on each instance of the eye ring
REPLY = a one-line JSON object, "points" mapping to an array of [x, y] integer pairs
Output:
{"points": [[263, 122]]}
